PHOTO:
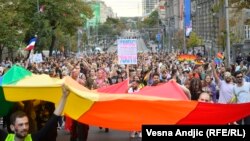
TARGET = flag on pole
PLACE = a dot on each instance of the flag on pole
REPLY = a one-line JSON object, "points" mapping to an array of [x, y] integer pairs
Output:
{"points": [[31, 44]]}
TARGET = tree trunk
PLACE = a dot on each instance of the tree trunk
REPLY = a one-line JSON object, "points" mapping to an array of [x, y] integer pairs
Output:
{"points": [[52, 44], [10, 54], [1, 52]]}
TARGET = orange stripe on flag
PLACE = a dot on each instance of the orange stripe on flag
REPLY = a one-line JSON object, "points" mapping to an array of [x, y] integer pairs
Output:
{"points": [[131, 114]]}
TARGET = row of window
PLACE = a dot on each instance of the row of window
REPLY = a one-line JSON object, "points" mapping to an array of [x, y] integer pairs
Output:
{"points": [[247, 32]]}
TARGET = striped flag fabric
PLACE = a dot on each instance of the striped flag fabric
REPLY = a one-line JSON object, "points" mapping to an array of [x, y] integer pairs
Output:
{"points": [[31, 44], [126, 112]]}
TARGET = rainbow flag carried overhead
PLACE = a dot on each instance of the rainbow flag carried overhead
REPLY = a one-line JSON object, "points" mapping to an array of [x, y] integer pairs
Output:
{"points": [[115, 111], [187, 57]]}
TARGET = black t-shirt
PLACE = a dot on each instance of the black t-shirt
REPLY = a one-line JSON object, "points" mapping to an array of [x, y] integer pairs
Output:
{"points": [[43, 113]]}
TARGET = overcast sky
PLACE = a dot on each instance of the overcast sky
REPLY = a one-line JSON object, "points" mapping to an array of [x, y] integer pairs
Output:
{"points": [[125, 8]]}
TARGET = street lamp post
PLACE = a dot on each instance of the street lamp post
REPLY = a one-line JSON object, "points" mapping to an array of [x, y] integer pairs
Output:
{"points": [[228, 35], [184, 29], [169, 36], [214, 45]]}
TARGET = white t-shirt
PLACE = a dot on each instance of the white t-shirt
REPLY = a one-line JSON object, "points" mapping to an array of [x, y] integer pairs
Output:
{"points": [[238, 68], [226, 92], [242, 93]]}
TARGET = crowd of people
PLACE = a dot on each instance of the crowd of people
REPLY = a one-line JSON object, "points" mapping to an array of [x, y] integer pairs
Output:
{"points": [[206, 82]]}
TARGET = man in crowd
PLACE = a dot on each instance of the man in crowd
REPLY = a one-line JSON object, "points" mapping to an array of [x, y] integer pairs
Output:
{"points": [[226, 86], [20, 123], [242, 93], [205, 97]]}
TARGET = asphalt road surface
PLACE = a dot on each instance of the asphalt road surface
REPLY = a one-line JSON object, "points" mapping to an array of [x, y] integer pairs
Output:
{"points": [[95, 134]]}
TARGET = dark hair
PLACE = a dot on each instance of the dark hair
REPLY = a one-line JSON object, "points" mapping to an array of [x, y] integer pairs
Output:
{"points": [[156, 74], [15, 115], [193, 84], [136, 81], [237, 73]]}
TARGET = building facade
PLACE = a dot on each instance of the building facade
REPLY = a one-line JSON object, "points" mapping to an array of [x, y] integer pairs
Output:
{"points": [[148, 6], [240, 31], [174, 20], [101, 12], [210, 24], [206, 23]]}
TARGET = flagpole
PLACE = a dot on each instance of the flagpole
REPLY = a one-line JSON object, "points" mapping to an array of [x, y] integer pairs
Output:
{"points": [[28, 60]]}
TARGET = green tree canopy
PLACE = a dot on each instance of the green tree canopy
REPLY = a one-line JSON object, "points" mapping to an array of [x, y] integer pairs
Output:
{"points": [[193, 40], [240, 4], [111, 27], [20, 20], [12, 27], [150, 21]]}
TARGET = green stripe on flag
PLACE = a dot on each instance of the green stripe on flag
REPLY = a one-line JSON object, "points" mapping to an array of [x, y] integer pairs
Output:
{"points": [[5, 106], [15, 74]]}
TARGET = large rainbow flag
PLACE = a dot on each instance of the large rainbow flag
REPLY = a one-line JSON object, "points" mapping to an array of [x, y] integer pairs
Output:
{"points": [[115, 111]]}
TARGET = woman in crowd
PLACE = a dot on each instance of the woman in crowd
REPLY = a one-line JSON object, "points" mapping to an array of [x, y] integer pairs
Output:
{"points": [[209, 87]]}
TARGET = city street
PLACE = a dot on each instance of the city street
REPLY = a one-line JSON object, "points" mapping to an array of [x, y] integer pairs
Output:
{"points": [[95, 134], [122, 64], [141, 47]]}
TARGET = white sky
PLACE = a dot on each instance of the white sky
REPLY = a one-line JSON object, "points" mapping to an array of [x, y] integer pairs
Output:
{"points": [[125, 8]]}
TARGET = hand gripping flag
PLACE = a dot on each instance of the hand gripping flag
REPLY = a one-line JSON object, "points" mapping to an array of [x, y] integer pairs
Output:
{"points": [[31, 44]]}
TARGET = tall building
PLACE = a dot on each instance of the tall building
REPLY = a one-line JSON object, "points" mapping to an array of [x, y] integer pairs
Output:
{"points": [[101, 12], [240, 31], [148, 6], [206, 23], [174, 19], [210, 25], [162, 11]]}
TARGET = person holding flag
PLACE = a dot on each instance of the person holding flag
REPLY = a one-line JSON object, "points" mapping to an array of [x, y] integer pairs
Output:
{"points": [[29, 48]]}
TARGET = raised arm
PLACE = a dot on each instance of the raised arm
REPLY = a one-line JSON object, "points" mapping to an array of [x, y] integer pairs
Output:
{"points": [[53, 120], [59, 109], [217, 79]]}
